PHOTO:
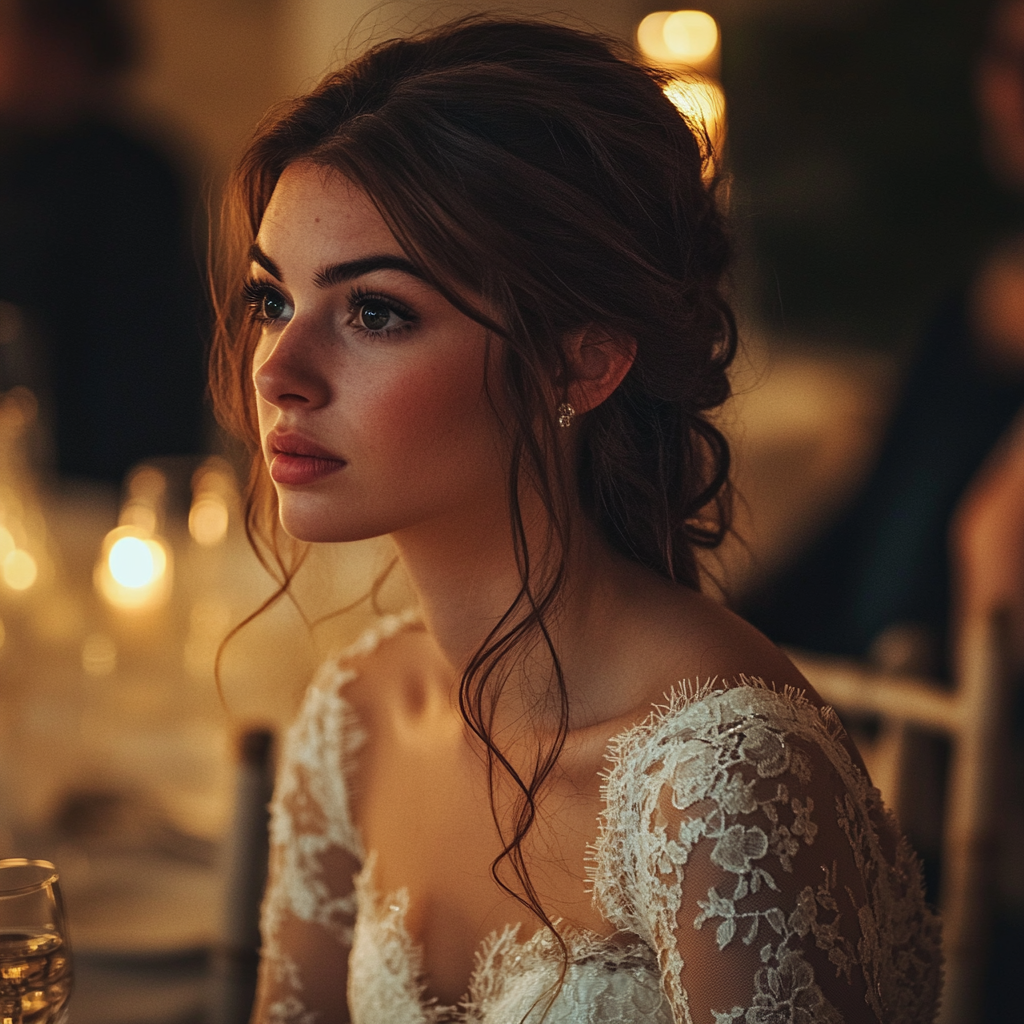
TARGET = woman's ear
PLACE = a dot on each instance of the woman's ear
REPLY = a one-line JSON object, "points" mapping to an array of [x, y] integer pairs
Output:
{"points": [[598, 360]]}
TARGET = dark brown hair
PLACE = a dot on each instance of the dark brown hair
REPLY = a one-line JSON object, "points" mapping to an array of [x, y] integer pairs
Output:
{"points": [[543, 170]]}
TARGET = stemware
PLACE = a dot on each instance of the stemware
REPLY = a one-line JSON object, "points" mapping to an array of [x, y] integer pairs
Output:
{"points": [[35, 955]]}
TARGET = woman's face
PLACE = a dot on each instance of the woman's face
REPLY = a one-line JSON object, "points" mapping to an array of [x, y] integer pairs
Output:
{"points": [[370, 385]]}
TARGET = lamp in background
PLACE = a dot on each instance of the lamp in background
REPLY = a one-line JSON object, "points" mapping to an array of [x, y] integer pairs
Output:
{"points": [[687, 44]]}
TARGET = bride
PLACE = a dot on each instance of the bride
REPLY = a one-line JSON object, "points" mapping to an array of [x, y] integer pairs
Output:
{"points": [[478, 296]]}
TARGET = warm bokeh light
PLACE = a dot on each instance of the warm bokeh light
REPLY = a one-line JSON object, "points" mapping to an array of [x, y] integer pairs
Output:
{"points": [[132, 562], [147, 485], [701, 102], [133, 569], [7, 544], [690, 35], [19, 569], [3, 634], [678, 37], [99, 655], [208, 520], [139, 515]]}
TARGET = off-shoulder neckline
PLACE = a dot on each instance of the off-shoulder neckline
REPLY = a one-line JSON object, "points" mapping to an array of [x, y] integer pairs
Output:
{"points": [[620, 750]]}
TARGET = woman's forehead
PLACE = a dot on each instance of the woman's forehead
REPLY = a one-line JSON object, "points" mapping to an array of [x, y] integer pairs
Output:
{"points": [[317, 214]]}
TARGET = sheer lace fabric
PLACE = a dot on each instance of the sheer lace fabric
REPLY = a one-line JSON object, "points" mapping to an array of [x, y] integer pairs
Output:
{"points": [[749, 868]]}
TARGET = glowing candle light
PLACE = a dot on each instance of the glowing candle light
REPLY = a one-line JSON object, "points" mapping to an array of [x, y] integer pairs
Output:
{"points": [[208, 520], [139, 515], [132, 563], [679, 37], [691, 36], [19, 569], [133, 569]]}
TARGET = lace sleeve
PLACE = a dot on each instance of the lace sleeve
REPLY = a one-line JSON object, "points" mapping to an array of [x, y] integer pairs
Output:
{"points": [[748, 850], [309, 909]]}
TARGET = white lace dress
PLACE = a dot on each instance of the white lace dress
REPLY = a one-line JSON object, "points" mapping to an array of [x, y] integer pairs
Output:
{"points": [[740, 852]]}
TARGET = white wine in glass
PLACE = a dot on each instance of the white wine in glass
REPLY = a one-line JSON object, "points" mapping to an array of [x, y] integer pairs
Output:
{"points": [[35, 955]]}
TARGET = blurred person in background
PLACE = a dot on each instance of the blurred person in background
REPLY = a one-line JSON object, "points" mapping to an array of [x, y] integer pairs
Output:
{"points": [[879, 583], [934, 539], [100, 293]]}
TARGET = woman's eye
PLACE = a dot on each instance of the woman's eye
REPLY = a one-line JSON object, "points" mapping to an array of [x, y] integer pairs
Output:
{"points": [[266, 305], [273, 306], [379, 317]]}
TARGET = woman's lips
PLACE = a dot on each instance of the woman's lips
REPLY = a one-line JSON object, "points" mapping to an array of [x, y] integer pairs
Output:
{"points": [[298, 461], [301, 469]]}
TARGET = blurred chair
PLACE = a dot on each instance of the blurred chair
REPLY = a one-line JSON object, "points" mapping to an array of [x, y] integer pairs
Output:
{"points": [[237, 958], [974, 717]]}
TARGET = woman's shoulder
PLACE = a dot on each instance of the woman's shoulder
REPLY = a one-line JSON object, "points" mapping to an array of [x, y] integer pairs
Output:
{"points": [[377, 681], [682, 641], [333, 704], [387, 645], [727, 681]]}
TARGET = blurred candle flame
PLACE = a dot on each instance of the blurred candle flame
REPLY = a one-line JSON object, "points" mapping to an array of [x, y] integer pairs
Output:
{"points": [[133, 569], [208, 520], [135, 562], [19, 569], [679, 37], [213, 492], [690, 35]]}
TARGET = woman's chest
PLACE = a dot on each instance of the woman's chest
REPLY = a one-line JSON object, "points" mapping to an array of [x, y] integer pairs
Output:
{"points": [[426, 816], [589, 979]]}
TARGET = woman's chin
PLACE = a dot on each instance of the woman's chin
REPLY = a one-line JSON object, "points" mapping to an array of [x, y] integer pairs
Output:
{"points": [[313, 527]]}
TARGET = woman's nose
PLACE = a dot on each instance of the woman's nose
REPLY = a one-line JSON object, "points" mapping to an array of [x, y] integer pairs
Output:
{"points": [[286, 371]]}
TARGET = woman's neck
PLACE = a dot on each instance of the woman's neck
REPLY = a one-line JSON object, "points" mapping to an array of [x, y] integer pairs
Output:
{"points": [[466, 577]]}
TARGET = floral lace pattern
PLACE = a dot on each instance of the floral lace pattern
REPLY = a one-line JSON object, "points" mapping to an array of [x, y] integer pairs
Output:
{"points": [[727, 771], [747, 864], [513, 982]]}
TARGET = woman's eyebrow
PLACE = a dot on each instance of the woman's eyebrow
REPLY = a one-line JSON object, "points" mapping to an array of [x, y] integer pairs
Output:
{"points": [[259, 257], [338, 272], [335, 273]]}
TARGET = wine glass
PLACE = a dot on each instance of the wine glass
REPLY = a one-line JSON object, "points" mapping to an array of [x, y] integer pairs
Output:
{"points": [[35, 955]]}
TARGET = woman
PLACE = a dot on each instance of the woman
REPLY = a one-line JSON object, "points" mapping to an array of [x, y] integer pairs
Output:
{"points": [[482, 316]]}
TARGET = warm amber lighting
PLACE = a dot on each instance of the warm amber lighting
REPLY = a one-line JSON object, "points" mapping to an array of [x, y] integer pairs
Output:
{"points": [[678, 37], [691, 36], [133, 563], [148, 485], [3, 634], [99, 655], [19, 569], [208, 520], [701, 102], [7, 544], [133, 569], [139, 515], [210, 622]]}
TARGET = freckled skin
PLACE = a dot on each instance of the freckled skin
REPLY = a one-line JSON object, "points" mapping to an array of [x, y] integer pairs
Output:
{"points": [[406, 410]]}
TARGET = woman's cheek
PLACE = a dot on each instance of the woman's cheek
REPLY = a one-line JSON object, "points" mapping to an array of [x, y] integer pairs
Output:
{"points": [[428, 407]]}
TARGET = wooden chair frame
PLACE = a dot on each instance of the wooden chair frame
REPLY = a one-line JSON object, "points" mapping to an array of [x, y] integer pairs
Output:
{"points": [[973, 714]]}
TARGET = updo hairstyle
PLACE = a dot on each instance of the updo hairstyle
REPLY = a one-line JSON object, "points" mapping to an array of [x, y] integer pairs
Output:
{"points": [[540, 173]]}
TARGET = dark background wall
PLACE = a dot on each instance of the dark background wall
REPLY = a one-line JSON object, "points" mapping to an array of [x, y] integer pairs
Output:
{"points": [[859, 190]]}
